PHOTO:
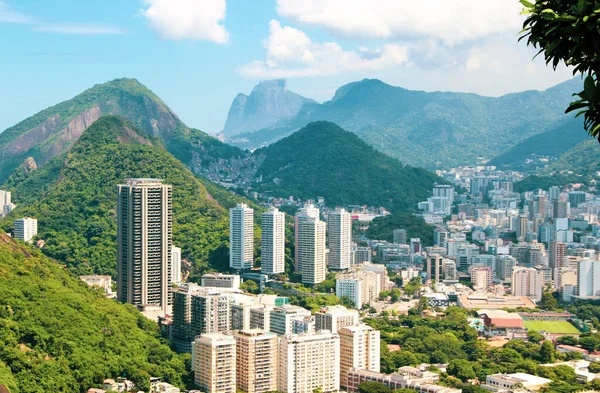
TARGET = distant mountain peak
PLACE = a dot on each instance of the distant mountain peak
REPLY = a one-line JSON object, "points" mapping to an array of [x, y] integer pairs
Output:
{"points": [[269, 102]]}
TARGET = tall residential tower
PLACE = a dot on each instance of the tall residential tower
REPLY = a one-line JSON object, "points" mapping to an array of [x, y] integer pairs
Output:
{"points": [[339, 232], [273, 242], [144, 230], [241, 237]]}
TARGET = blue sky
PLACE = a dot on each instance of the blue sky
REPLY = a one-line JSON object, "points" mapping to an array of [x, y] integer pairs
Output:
{"points": [[198, 54]]}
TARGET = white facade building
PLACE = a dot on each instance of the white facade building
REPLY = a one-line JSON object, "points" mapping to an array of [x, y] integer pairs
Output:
{"points": [[359, 349], [339, 232], [25, 229], [309, 211], [214, 363], [352, 287], [241, 237], [528, 282], [273, 242], [308, 362], [176, 265], [588, 278], [313, 254], [220, 280]]}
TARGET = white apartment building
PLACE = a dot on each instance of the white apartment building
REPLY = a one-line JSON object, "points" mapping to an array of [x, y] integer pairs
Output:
{"points": [[214, 363], [25, 229], [256, 359], [220, 280], [308, 362], [241, 237], [334, 318], [339, 235], [273, 242], [588, 278], [528, 282], [482, 277], [309, 211], [449, 269], [352, 287], [281, 318], [313, 255], [176, 265], [359, 349]]}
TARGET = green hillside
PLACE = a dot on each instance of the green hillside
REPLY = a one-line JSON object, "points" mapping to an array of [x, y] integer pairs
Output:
{"points": [[430, 129], [57, 335], [580, 164], [382, 228], [324, 160], [550, 144], [54, 130], [74, 199]]}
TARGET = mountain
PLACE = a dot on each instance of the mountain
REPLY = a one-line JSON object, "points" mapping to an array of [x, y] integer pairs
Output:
{"points": [[538, 150], [74, 198], [58, 335], [269, 102], [580, 164], [54, 130], [324, 160], [431, 130]]}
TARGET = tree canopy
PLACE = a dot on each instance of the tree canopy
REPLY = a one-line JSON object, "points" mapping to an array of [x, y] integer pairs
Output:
{"points": [[568, 31]]}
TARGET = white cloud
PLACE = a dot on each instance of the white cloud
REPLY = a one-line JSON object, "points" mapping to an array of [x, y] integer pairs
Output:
{"points": [[8, 15], [291, 53], [188, 19], [79, 29], [451, 22]]}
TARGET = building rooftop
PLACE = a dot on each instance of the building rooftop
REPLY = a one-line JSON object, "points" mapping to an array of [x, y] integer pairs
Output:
{"points": [[494, 302]]}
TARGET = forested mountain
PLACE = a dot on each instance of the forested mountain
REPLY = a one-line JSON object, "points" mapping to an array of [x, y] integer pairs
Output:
{"points": [[54, 130], [580, 164], [58, 335], [74, 198], [324, 160], [269, 102], [431, 130], [547, 146]]}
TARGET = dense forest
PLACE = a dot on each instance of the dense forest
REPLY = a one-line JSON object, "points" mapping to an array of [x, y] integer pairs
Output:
{"points": [[382, 228], [324, 160], [58, 335], [77, 211]]}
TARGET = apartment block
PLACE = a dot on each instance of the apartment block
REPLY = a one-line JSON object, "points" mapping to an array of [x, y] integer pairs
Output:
{"points": [[334, 318], [241, 237], [144, 232], [256, 359], [273, 242], [359, 349], [308, 362], [220, 280], [214, 363]]}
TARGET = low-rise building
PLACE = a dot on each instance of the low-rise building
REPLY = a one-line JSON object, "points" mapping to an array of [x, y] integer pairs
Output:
{"points": [[514, 382], [221, 280], [424, 382]]}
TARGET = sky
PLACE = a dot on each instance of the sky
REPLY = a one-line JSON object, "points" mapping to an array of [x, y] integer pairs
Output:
{"points": [[198, 54]]}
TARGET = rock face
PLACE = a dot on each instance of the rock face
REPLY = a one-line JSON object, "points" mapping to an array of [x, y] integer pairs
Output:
{"points": [[53, 131], [268, 103], [429, 129]]}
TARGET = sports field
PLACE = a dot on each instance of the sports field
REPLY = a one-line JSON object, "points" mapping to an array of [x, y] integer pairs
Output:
{"points": [[552, 326]]}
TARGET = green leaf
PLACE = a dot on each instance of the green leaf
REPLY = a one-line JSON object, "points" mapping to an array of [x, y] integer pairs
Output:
{"points": [[527, 3], [589, 86]]}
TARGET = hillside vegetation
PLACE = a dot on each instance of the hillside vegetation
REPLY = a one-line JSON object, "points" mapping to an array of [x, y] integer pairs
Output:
{"points": [[74, 198], [324, 160], [430, 129], [58, 335], [54, 130], [550, 144]]}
